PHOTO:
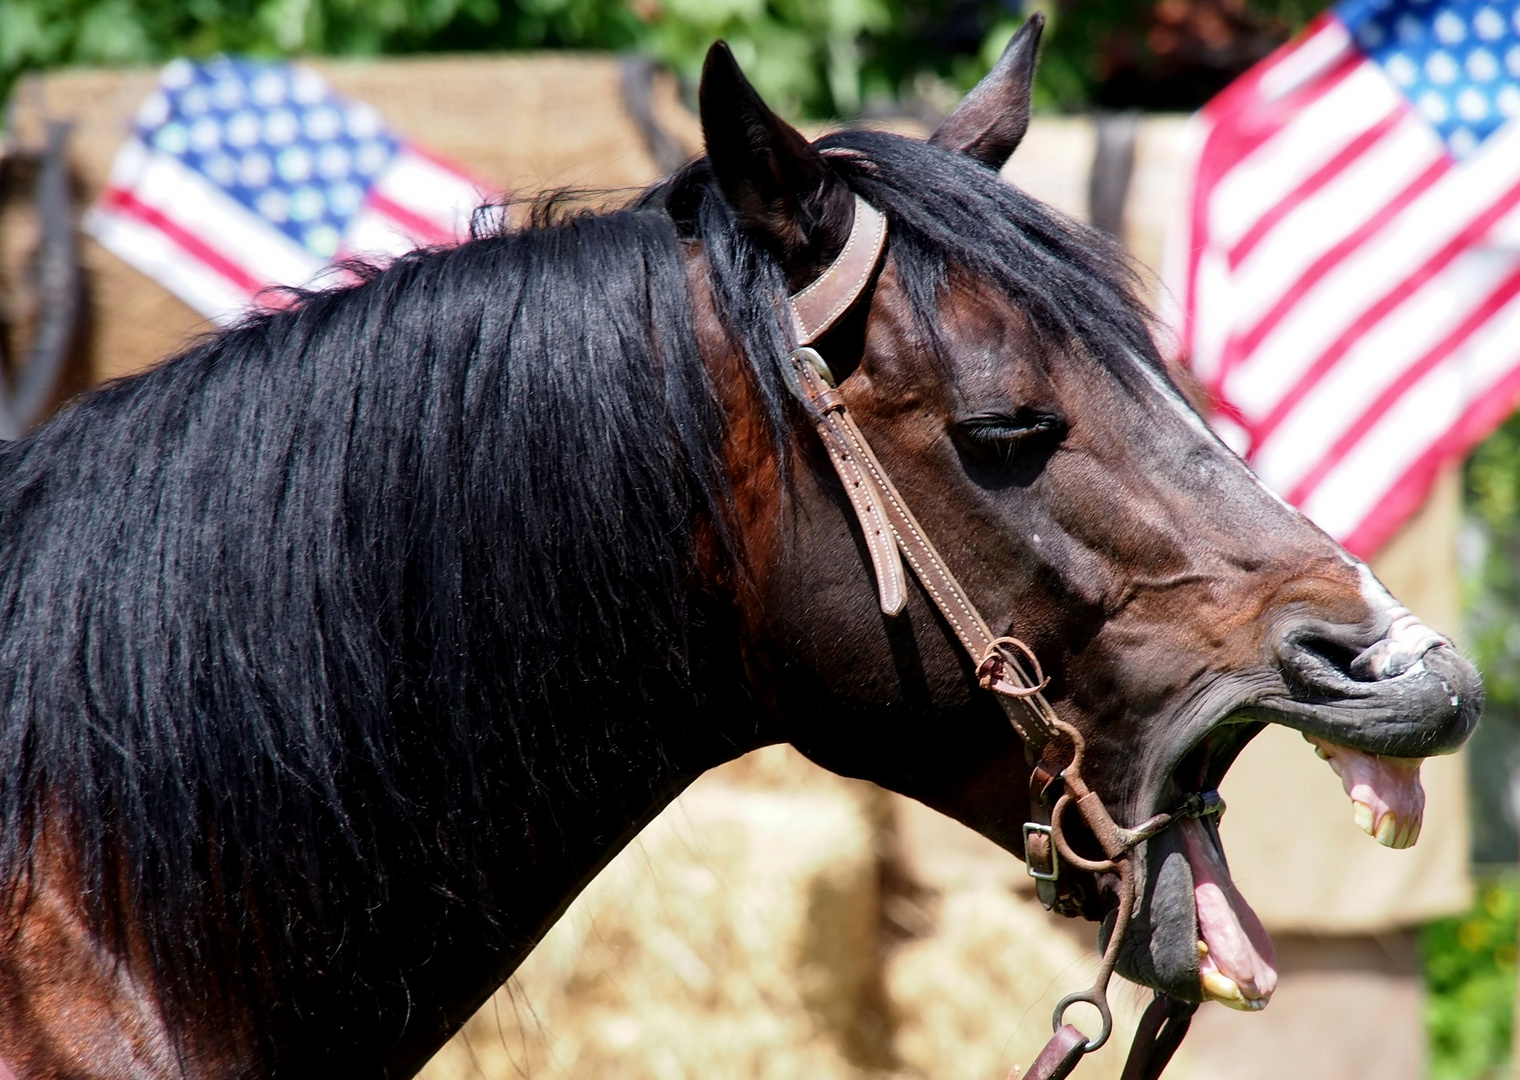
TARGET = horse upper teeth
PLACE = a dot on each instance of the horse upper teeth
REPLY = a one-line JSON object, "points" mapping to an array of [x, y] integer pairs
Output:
{"points": [[1388, 832], [1203, 949], [1361, 813]]}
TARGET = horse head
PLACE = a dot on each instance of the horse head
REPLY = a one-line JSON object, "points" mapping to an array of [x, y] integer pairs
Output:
{"points": [[1007, 380]]}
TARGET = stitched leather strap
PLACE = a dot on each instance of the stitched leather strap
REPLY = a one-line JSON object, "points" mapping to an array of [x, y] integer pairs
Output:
{"points": [[889, 527], [821, 304], [828, 411], [869, 487]]}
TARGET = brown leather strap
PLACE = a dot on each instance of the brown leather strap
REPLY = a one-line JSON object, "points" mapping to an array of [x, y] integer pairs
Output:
{"points": [[1161, 1030], [1061, 1055], [821, 304], [998, 664], [891, 586]]}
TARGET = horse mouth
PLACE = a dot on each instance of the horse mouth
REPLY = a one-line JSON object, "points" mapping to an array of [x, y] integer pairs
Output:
{"points": [[1237, 965], [1200, 939], [1236, 962]]}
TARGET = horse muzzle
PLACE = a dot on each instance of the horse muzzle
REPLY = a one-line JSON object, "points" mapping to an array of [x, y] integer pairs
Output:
{"points": [[1373, 709], [1408, 694]]}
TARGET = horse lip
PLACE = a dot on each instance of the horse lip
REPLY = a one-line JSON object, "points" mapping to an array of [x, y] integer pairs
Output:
{"points": [[1429, 708]]}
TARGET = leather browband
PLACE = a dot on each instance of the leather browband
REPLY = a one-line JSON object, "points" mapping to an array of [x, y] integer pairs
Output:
{"points": [[819, 306]]}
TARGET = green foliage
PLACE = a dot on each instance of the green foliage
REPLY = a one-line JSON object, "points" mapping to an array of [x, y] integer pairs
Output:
{"points": [[1093, 46], [1492, 584], [1469, 964], [809, 57], [48, 33]]}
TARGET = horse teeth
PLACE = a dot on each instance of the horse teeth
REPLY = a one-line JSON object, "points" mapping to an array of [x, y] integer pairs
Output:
{"points": [[1388, 833], [1361, 813], [1203, 949], [1223, 989], [1409, 832]]}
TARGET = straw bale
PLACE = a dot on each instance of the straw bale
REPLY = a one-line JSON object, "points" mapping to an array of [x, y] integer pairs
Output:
{"points": [[756, 930], [735, 938], [974, 998]]}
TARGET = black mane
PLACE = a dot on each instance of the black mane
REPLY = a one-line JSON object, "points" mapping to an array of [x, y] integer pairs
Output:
{"points": [[301, 617]]}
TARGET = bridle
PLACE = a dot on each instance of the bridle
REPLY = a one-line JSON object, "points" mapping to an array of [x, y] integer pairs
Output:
{"points": [[1003, 667]]}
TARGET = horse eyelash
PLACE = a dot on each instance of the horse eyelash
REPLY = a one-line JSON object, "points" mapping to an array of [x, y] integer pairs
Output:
{"points": [[1004, 433]]}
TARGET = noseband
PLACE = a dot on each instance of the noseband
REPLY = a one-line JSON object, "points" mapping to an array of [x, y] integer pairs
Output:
{"points": [[1003, 666]]}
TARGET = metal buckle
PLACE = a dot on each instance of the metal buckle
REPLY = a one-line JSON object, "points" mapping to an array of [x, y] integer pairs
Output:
{"points": [[1034, 827], [811, 357]]}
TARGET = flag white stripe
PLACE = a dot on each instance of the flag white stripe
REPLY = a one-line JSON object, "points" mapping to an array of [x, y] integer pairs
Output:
{"points": [[1300, 149], [1327, 217], [1364, 477], [148, 249], [431, 192], [1313, 56], [1214, 302], [1369, 274], [1377, 360], [375, 236]]}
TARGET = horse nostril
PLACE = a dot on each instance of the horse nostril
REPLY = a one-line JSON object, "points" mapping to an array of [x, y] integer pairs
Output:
{"points": [[1313, 652]]}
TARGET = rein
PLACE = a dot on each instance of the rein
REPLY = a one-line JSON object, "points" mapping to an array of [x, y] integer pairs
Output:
{"points": [[892, 534]]}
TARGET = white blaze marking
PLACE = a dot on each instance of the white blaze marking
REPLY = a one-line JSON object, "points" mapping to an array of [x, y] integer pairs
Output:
{"points": [[1407, 640]]}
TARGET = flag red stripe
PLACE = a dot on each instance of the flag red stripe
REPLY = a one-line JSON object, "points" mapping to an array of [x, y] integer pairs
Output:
{"points": [[1241, 346], [418, 227], [1492, 303], [1235, 134], [1311, 184], [1375, 313], [123, 201], [1488, 410]]}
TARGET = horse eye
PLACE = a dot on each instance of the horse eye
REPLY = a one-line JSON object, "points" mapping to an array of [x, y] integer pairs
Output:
{"points": [[1003, 437]]}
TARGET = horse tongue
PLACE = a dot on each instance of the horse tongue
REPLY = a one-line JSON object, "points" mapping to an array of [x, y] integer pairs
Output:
{"points": [[1387, 801], [1236, 960]]}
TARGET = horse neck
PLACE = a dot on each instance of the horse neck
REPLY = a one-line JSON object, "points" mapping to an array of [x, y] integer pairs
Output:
{"points": [[336, 610]]}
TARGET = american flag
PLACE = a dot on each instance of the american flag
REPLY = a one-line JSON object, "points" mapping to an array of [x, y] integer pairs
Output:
{"points": [[1348, 266], [240, 175]]}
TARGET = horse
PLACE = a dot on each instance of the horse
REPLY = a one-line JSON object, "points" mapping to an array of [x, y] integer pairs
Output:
{"points": [[340, 651]]}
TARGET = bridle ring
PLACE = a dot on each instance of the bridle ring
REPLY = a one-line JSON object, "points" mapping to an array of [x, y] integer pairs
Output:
{"points": [[995, 652]]}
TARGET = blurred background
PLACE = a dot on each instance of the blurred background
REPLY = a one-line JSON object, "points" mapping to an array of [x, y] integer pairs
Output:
{"points": [[778, 921]]}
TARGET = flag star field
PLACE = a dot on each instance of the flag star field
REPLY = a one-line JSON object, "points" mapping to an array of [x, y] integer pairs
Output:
{"points": [[1457, 62], [275, 138], [241, 175]]}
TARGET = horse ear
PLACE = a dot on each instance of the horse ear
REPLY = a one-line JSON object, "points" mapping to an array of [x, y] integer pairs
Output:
{"points": [[990, 123], [781, 189]]}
